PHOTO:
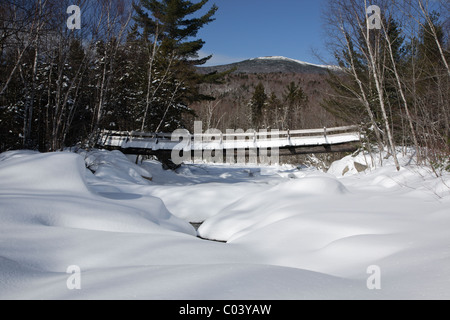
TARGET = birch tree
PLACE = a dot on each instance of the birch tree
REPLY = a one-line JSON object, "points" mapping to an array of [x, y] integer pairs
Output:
{"points": [[346, 33], [404, 62], [114, 21]]}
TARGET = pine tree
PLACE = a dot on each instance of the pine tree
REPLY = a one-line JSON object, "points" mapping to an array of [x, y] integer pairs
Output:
{"points": [[273, 112], [346, 100], [258, 104], [433, 83], [295, 99], [168, 27]]}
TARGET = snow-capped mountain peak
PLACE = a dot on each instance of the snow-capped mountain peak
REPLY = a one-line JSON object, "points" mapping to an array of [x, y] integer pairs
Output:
{"points": [[273, 64], [281, 58]]}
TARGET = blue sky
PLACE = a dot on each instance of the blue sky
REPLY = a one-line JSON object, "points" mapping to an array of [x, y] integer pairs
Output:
{"points": [[253, 28]]}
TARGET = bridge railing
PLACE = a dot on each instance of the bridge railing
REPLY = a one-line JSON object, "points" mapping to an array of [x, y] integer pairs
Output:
{"points": [[130, 136], [277, 134], [135, 134]]}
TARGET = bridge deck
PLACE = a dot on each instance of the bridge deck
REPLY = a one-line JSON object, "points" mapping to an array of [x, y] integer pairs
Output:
{"points": [[339, 139]]}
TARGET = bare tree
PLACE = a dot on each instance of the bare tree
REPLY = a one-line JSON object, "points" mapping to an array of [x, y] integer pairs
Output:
{"points": [[400, 88], [424, 9], [342, 19], [410, 80], [114, 21], [21, 27]]}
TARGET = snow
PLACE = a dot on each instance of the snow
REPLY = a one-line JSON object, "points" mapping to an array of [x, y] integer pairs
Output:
{"points": [[290, 233], [115, 167], [297, 61]]}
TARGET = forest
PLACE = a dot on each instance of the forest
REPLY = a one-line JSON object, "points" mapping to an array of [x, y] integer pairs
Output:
{"points": [[395, 73], [132, 65]]}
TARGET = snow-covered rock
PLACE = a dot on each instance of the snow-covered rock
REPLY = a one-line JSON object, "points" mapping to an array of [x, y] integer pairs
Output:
{"points": [[114, 166]]}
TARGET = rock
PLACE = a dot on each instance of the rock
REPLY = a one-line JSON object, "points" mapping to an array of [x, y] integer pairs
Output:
{"points": [[347, 169], [360, 167]]}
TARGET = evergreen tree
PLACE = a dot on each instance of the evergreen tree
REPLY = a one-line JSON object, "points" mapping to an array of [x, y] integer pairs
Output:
{"points": [[76, 119], [273, 112], [295, 99], [345, 102], [394, 37], [359, 102], [168, 29], [258, 104], [428, 51], [433, 82]]}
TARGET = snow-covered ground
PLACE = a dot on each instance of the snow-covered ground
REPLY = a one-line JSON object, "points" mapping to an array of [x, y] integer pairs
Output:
{"points": [[290, 234]]}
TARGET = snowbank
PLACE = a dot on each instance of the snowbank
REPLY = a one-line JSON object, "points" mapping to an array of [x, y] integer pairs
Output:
{"points": [[381, 174], [114, 166], [58, 173], [292, 234], [199, 192], [342, 225], [51, 190], [269, 206]]}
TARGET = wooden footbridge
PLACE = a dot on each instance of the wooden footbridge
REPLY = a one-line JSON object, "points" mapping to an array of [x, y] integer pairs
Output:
{"points": [[291, 142]]}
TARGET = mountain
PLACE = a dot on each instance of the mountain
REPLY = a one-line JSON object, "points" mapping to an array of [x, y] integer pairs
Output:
{"points": [[233, 94], [271, 65]]}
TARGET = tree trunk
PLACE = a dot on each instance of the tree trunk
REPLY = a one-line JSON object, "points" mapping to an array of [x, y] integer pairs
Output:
{"points": [[363, 96], [373, 61], [402, 95], [152, 57]]}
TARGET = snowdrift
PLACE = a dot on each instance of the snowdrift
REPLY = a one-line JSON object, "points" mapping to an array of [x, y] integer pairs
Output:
{"points": [[51, 190], [57, 173], [115, 167], [291, 234], [269, 206]]}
